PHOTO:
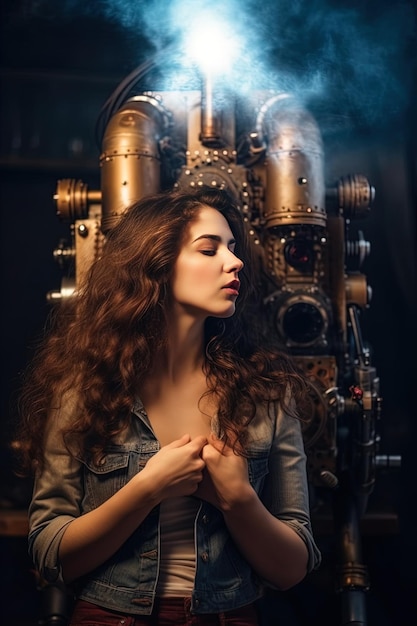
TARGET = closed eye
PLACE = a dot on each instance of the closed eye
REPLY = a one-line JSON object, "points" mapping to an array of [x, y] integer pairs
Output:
{"points": [[208, 252]]}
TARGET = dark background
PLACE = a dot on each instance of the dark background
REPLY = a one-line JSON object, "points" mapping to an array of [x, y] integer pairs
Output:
{"points": [[59, 63]]}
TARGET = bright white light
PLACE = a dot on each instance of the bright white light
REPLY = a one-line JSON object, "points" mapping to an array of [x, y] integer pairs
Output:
{"points": [[211, 44]]}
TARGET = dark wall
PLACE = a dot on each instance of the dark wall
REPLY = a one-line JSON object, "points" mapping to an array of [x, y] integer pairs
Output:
{"points": [[56, 71]]}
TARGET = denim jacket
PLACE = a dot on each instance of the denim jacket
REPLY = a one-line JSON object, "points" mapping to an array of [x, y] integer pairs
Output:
{"points": [[69, 487]]}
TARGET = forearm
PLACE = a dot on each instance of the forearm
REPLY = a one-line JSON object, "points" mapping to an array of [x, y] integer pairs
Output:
{"points": [[274, 550], [91, 539]]}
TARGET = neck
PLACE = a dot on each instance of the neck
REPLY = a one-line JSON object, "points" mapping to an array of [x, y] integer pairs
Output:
{"points": [[184, 352]]}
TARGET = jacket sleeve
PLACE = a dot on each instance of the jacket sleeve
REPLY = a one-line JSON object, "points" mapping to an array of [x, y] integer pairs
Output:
{"points": [[285, 491], [56, 498]]}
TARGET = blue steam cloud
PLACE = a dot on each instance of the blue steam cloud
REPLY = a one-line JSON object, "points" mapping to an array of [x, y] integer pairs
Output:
{"points": [[354, 58]]}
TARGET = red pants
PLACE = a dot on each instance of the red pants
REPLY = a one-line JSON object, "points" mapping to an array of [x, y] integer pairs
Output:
{"points": [[167, 612]]}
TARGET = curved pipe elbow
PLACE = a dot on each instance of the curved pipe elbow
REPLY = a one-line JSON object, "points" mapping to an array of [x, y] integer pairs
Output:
{"points": [[130, 159], [294, 163]]}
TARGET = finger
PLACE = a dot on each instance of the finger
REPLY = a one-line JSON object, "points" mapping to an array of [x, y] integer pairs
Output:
{"points": [[198, 443], [217, 443]]}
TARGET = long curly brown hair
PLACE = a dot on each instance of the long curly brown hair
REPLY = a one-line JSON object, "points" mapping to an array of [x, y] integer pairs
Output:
{"points": [[101, 342]]}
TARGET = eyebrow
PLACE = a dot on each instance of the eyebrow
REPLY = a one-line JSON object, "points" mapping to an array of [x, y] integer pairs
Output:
{"points": [[214, 238]]}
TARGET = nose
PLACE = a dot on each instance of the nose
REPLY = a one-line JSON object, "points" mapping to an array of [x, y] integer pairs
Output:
{"points": [[233, 263]]}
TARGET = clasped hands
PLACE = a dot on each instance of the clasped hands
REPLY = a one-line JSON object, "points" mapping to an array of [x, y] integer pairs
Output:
{"points": [[203, 467]]}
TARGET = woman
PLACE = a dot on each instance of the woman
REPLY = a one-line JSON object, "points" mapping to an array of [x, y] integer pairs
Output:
{"points": [[169, 464]]}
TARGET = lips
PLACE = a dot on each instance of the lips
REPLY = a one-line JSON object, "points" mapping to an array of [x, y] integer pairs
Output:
{"points": [[234, 284]]}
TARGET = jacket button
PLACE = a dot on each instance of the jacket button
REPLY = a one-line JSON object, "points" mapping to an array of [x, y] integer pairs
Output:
{"points": [[205, 519], [205, 557]]}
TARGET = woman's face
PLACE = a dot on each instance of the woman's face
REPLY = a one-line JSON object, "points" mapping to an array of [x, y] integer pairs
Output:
{"points": [[205, 280]]}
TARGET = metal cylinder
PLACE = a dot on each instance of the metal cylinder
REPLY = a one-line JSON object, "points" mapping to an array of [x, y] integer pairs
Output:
{"points": [[130, 161], [295, 190]]}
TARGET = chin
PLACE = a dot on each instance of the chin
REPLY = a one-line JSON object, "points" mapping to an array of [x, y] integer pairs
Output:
{"points": [[226, 314]]}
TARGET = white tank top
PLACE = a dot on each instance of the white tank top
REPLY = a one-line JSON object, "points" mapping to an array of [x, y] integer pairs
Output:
{"points": [[177, 564]]}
